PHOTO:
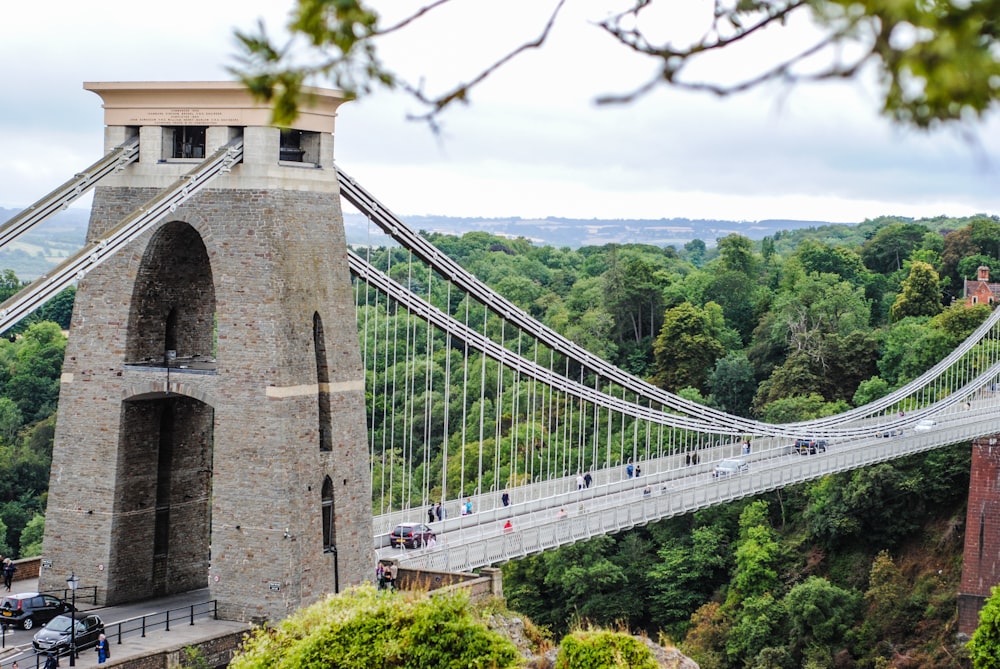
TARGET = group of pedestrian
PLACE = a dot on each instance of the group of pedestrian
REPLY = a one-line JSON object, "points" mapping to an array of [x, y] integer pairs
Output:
{"points": [[436, 513], [386, 575], [584, 480], [633, 470]]}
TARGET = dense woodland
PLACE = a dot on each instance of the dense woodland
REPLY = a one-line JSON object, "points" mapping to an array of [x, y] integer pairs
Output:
{"points": [[859, 569]]}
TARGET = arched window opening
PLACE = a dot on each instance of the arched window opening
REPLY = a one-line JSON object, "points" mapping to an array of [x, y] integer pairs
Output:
{"points": [[329, 533], [323, 387]]}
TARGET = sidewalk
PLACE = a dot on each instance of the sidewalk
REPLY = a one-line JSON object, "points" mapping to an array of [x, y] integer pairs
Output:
{"points": [[132, 646]]}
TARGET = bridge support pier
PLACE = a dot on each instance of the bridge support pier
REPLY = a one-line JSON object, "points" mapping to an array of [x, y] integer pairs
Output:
{"points": [[211, 427], [981, 555]]}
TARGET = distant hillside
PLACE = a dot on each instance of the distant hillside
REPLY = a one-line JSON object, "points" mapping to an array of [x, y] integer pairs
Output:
{"points": [[574, 232], [41, 249], [44, 247]]}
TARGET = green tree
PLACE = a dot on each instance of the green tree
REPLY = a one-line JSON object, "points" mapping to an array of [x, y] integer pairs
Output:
{"points": [[757, 555], [5, 548], [732, 383], [968, 267], [10, 420], [686, 348], [921, 295], [800, 407], [690, 568], [632, 293], [586, 581], [31, 536], [695, 251], [985, 232], [736, 254], [824, 259], [885, 252], [960, 320], [756, 624], [885, 597], [984, 646], [911, 347], [819, 611], [870, 390]]}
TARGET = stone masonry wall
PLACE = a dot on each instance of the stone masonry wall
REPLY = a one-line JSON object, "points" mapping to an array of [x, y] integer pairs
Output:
{"points": [[981, 555], [277, 257]]}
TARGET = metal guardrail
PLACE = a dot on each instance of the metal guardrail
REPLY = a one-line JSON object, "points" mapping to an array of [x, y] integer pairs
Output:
{"points": [[142, 624], [65, 593], [152, 621]]}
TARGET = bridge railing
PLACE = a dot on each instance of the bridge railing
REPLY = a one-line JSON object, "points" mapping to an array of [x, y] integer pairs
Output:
{"points": [[541, 530], [185, 615], [548, 496]]}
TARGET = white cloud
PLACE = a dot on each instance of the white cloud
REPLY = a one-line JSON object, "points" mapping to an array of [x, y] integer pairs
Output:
{"points": [[531, 143]]}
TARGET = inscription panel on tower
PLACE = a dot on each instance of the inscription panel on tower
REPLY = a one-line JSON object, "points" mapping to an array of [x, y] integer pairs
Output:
{"points": [[185, 117]]}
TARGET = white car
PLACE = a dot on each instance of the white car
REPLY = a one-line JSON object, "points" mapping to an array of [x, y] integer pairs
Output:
{"points": [[925, 424], [730, 467]]}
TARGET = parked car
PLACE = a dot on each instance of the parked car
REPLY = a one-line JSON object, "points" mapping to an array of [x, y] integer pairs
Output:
{"points": [[730, 467], [925, 424], [28, 609], [55, 637], [809, 446], [410, 535]]}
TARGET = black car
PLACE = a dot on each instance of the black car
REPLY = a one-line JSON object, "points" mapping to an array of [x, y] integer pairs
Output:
{"points": [[28, 609], [411, 535], [809, 446], [55, 637]]}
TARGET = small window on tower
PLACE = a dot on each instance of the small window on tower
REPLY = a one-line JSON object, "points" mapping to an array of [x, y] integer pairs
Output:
{"points": [[187, 141], [291, 146], [300, 146]]}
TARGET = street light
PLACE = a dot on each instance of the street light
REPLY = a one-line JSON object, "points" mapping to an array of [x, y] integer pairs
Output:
{"points": [[73, 581]]}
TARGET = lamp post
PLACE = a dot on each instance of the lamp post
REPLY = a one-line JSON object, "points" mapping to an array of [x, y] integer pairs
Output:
{"points": [[72, 582]]}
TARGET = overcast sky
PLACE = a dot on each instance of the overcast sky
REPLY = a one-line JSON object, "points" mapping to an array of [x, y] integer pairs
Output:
{"points": [[532, 143]]}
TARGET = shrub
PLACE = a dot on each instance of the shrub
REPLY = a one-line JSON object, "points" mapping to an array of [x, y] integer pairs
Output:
{"points": [[603, 649], [364, 628]]}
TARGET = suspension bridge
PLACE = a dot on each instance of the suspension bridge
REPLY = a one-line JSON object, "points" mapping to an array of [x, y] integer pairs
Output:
{"points": [[470, 397]]}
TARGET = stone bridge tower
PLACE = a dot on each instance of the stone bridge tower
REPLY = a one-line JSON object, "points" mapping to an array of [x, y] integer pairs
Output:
{"points": [[211, 427]]}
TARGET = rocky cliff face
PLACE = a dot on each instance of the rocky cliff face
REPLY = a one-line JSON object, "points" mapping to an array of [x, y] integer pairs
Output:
{"points": [[539, 653]]}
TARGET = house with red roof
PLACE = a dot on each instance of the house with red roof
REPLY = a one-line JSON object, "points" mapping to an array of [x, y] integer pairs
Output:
{"points": [[980, 290]]}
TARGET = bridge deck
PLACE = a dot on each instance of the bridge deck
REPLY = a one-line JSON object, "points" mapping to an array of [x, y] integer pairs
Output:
{"points": [[468, 542]]}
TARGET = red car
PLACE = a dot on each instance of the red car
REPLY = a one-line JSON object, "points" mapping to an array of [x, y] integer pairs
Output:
{"points": [[410, 535]]}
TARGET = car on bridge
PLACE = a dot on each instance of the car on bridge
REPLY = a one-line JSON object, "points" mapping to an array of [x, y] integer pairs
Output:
{"points": [[925, 425], [809, 446], [731, 467], [410, 535], [57, 636], [28, 609]]}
